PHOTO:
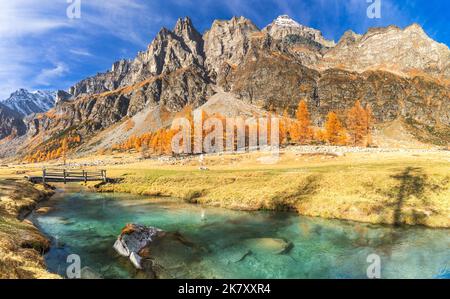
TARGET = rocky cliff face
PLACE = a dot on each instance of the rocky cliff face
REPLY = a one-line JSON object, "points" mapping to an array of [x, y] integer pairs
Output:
{"points": [[11, 124], [227, 43], [399, 73], [407, 51], [278, 82]]}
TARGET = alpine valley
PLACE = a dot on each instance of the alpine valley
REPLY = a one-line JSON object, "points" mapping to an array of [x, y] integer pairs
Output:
{"points": [[361, 175]]}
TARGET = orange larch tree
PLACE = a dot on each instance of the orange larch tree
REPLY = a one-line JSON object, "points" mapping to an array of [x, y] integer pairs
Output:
{"points": [[284, 127], [302, 130], [357, 124], [64, 149], [369, 118], [335, 133]]}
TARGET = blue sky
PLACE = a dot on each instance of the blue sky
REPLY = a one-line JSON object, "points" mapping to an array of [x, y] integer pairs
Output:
{"points": [[41, 48]]}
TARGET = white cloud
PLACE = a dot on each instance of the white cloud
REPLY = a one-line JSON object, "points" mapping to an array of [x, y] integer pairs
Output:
{"points": [[19, 18], [81, 52], [46, 76]]}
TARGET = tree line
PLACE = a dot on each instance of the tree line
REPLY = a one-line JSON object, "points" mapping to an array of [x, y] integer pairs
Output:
{"points": [[355, 130], [352, 128], [55, 149]]}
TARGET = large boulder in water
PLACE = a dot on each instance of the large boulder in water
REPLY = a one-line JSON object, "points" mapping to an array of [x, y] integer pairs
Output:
{"points": [[133, 239], [158, 253]]}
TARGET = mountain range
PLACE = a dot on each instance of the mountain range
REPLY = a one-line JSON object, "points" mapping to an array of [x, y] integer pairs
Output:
{"points": [[401, 73], [25, 103]]}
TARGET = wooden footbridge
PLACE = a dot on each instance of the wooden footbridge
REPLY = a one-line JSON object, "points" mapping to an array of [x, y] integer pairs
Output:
{"points": [[68, 176]]}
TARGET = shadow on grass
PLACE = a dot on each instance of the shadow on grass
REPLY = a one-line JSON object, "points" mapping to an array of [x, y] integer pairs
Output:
{"points": [[287, 201], [412, 182]]}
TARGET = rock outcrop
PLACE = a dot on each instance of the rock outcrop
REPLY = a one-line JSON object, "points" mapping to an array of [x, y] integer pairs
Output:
{"points": [[11, 123], [62, 96]]}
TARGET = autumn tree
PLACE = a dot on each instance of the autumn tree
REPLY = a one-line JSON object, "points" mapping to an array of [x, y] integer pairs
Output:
{"points": [[357, 124], [64, 149], [335, 134], [137, 144], [320, 136], [161, 142], [285, 123], [301, 130]]}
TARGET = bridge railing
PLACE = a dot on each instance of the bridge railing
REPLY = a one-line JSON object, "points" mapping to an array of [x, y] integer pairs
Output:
{"points": [[73, 175]]}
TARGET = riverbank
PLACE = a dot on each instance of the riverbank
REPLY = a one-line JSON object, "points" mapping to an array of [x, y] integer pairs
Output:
{"points": [[406, 188], [21, 244]]}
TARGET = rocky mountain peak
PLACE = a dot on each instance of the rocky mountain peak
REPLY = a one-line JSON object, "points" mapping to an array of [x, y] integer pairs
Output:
{"points": [[193, 39], [349, 37], [241, 24], [184, 25], [286, 21], [19, 92], [162, 34], [417, 30], [24, 102], [415, 27], [169, 51], [227, 42], [284, 26]]}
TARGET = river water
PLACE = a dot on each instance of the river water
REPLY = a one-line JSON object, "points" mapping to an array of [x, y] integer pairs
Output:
{"points": [[87, 224]]}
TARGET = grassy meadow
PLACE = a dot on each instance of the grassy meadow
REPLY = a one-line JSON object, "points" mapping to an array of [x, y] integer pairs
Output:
{"points": [[388, 188]]}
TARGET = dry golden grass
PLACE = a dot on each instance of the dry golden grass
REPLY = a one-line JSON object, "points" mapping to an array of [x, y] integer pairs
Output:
{"points": [[21, 244]]}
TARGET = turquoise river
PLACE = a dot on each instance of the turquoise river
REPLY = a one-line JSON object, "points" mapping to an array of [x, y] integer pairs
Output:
{"points": [[87, 224]]}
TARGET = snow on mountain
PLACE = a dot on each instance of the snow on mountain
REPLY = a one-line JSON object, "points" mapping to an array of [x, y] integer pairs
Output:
{"points": [[286, 21], [26, 103], [285, 26]]}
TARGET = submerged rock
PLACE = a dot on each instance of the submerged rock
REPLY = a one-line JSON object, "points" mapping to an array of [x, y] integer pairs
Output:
{"points": [[89, 273], [171, 255], [268, 245], [238, 255]]}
